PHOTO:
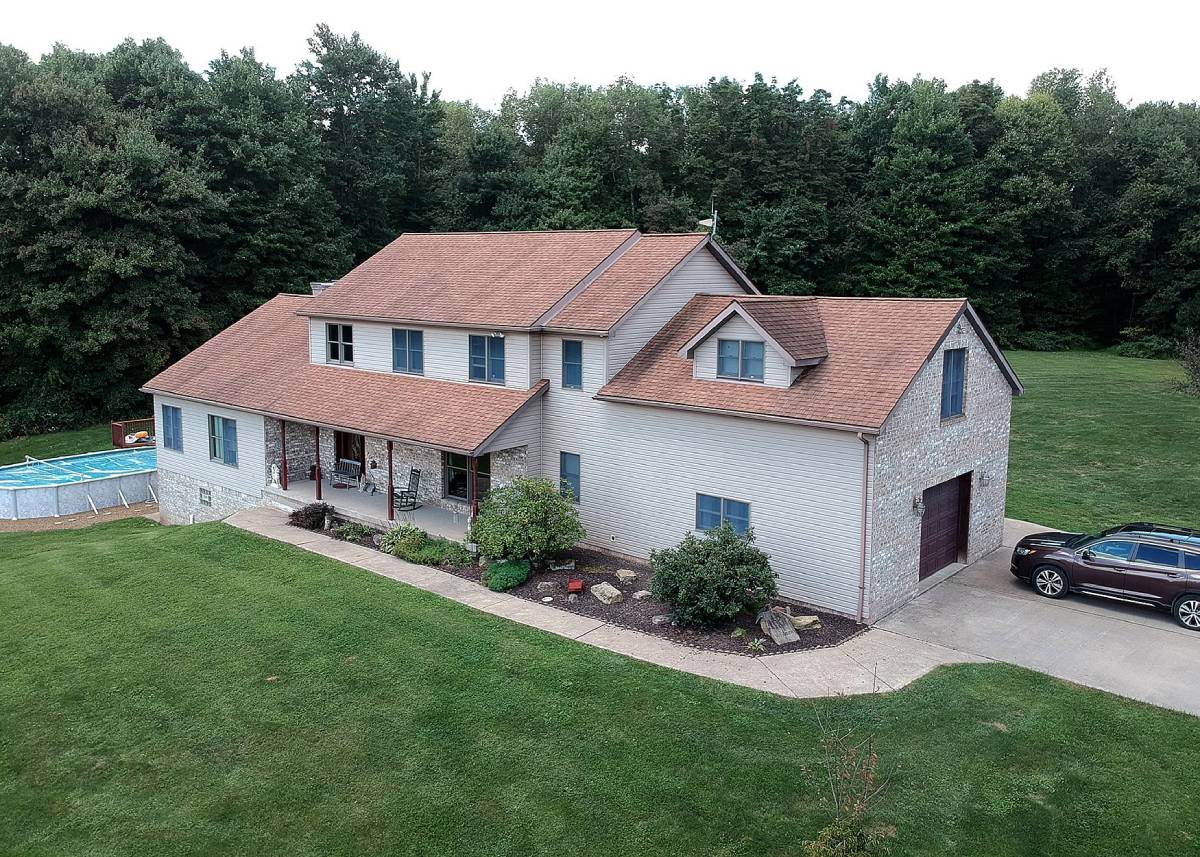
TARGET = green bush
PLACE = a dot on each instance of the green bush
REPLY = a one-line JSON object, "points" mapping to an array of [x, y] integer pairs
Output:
{"points": [[310, 517], [528, 520], [505, 575], [350, 532], [712, 578], [1189, 358], [415, 545], [1139, 342], [1052, 340]]}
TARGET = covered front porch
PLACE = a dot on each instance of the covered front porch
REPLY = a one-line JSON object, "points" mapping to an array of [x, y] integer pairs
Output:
{"points": [[371, 509]]}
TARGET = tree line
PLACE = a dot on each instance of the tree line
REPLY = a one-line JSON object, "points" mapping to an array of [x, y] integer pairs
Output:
{"points": [[144, 205]]}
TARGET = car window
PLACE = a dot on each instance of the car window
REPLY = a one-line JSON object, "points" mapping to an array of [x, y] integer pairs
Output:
{"points": [[1112, 549], [1157, 556], [1191, 561]]}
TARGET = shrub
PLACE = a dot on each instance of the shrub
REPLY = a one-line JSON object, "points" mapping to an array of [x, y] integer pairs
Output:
{"points": [[528, 519], [1139, 342], [505, 575], [415, 545], [310, 517], [1052, 340], [712, 578], [1189, 358], [351, 532]]}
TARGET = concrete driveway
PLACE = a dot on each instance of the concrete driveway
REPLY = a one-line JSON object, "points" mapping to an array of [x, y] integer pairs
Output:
{"points": [[1129, 650]]}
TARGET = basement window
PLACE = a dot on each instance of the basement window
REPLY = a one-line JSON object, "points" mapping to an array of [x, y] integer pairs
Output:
{"points": [[205, 497]]}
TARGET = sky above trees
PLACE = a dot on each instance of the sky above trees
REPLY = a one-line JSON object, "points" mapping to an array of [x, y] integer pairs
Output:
{"points": [[476, 50]]}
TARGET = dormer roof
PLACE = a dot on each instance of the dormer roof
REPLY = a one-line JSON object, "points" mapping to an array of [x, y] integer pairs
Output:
{"points": [[790, 325]]}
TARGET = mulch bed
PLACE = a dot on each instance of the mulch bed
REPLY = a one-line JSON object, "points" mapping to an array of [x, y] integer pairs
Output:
{"points": [[593, 566]]}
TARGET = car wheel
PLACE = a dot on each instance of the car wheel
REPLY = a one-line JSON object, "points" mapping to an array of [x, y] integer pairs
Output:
{"points": [[1187, 612], [1049, 581]]}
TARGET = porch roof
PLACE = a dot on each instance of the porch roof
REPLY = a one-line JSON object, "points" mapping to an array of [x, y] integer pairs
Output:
{"points": [[261, 364]]}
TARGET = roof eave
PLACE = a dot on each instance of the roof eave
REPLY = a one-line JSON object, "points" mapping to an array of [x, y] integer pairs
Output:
{"points": [[728, 412]]}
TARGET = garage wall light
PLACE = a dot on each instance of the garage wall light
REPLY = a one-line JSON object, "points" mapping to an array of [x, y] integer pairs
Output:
{"points": [[918, 505]]}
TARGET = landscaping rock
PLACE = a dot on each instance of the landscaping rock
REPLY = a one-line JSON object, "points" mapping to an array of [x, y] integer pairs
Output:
{"points": [[806, 623], [777, 625], [661, 619], [640, 594], [606, 593], [573, 597], [626, 575], [565, 565], [376, 539], [545, 586]]}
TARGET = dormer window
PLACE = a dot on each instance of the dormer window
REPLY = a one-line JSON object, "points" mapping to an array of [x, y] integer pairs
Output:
{"points": [[740, 359], [339, 343]]}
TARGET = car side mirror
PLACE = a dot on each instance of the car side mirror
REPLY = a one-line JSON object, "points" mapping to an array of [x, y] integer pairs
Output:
{"points": [[1088, 555]]}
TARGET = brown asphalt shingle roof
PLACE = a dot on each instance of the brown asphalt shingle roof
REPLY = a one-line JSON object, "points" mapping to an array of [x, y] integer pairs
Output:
{"points": [[794, 323], [875, 346], [505, 279], [261, 363], [616, 291]]}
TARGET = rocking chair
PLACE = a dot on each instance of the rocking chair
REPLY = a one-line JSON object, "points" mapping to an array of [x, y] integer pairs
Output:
{"points": [[405, 499]]}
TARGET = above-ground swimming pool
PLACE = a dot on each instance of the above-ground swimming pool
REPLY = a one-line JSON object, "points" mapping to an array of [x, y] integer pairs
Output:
{"points": [[77, 483]]}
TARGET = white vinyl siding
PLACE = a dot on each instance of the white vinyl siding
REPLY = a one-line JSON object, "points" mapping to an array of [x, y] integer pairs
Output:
{"points": [[643, 467], [776, 372], [445, 351], [701, 273], [250, 475], [524, 429]]}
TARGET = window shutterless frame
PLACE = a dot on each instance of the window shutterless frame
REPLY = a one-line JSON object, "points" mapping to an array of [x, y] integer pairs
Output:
{"points": [[572, 364], [485, 359], [740, 359], [954, 382], [408, 351], [222, 440], [339, 343], [712, 511], [172, 428], [568, 474]]}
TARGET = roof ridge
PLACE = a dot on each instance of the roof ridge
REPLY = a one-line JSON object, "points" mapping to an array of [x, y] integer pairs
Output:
{"points": [[523, 231]]}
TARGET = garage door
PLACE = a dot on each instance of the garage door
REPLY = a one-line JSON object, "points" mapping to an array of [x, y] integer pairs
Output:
{"points": [[944, 524]]}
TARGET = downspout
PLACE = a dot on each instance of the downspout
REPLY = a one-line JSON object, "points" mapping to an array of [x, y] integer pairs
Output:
{"points": [[862, 553]]}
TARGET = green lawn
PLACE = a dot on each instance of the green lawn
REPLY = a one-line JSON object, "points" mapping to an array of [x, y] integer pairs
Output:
{"points": [[1099, 440], [57, 443], [200, 690]]}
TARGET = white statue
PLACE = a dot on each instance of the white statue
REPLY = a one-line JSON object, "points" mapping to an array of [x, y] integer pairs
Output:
{"points": [[275, 476]]}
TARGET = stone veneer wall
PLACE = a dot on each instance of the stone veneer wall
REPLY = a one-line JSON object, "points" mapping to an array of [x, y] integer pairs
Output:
{"points": [[508, 464], [179, 499], [301, 448], [917, 449]]}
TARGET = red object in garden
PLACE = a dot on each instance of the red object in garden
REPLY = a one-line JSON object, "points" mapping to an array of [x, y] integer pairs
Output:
{"points": [[574, 585]]}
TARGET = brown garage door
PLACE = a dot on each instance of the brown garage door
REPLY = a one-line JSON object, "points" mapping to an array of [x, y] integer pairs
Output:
{"points": [[944, 524]]}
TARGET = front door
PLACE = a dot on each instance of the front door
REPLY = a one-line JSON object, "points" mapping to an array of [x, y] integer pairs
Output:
{"points": [[944, 524], [350, 447], [1101, 567]]}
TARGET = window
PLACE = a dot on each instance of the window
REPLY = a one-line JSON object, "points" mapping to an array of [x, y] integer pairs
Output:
{"points": [[711, 512], [205, 497], [172, 428], [1191, 561], [339, 343], [1115, 550], [456, 476], [740, 358], [486, 359], [408, 351], [572, 364], [1154, 555], [568, 475], [954, 379], [222, 440]]}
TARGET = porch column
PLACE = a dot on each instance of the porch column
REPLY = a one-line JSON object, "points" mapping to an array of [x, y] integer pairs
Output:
{"points": [[283, 456], [474, 487], [390, 501], [317, 443]]}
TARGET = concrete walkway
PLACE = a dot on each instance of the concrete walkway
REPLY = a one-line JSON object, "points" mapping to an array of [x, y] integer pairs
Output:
{"points": [[875, 660]]}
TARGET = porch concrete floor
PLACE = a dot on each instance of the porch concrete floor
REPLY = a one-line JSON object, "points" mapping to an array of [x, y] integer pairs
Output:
{"points": [[372, 508]]}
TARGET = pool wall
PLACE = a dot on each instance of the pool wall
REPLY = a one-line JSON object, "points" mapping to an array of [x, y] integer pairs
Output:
{"points": [[44, 501]]}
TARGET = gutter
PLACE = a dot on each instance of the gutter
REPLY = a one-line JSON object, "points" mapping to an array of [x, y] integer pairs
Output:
{"points": [[862, 554]]}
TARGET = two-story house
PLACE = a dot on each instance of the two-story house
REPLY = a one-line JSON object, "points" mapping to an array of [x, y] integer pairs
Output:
{"points": [[864, 440]]}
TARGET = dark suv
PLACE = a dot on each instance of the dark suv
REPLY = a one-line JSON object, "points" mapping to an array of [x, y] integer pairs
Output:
{"points": [[1142, 563]]}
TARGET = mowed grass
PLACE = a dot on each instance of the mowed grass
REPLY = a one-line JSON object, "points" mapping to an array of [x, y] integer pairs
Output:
{"points": [[199, 690], [1099, 440], [56, 443]]}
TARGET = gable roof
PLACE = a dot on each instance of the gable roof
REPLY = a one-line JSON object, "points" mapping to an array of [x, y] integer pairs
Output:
{"points": [[280, 381], [876, 347], [621, 286], [792, 326], [486, 279]]}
